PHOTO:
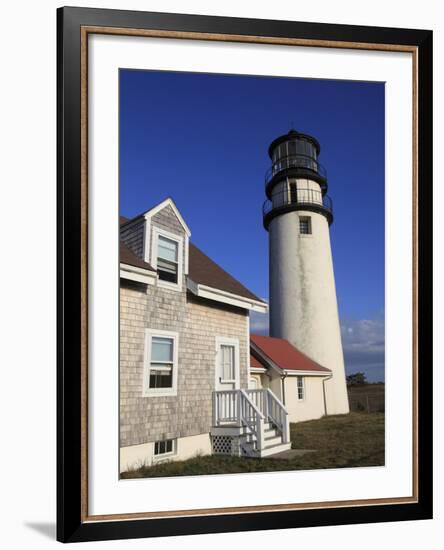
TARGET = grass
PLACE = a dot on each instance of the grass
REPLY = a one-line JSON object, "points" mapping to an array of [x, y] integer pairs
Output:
{"points": [[343, 441], [367, 397]]}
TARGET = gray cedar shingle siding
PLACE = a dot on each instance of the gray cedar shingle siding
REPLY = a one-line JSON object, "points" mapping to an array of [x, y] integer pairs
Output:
{"points": [[167, 219], [150, 418]]}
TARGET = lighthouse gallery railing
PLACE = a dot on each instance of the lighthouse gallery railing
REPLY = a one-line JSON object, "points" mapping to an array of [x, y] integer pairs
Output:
{"points": [[297, 195], [303, 162]]}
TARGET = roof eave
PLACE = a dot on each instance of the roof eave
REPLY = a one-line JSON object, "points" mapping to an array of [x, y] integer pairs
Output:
{"points": [[295, 372], [263, 358], [218, 295], [137, 274], [258, 370]]}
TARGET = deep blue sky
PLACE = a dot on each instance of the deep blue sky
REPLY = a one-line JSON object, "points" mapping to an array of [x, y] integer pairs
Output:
{"points": [[203, 138]]}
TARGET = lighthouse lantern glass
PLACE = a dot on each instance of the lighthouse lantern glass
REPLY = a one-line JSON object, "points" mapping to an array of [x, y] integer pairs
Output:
{"points": [[297, 153]]}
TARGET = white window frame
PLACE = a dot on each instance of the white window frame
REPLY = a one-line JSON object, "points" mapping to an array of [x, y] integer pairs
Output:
{"points": [[165, 456], [303, 388], [159, 392], [180, 249], [225, 341]]}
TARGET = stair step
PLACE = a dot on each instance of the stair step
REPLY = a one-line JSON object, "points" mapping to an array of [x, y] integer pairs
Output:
{"points": [[269, 451], [268, 426], [272, 441]]}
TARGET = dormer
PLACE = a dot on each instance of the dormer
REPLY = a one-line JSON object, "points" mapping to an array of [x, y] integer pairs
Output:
{"points": [[160, 237]]}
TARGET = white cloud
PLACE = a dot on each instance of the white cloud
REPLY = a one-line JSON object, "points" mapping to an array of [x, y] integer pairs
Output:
{"points": [[259, 323], [363, 341]]}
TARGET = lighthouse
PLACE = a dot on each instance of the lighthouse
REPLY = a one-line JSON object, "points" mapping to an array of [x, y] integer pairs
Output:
{"points": [[297, 215]]}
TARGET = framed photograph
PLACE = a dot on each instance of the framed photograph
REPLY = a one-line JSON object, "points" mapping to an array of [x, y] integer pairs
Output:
{"points": [[244, 274]]}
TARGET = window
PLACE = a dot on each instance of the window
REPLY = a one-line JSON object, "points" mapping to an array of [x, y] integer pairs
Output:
{"points": [[165, 447], [227, 362], [160, 363], [167, 259], [301, 388], [305, 226]]}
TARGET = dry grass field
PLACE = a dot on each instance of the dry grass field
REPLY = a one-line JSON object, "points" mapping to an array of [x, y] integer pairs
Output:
{"points": [[367, 397], [343, 441]]}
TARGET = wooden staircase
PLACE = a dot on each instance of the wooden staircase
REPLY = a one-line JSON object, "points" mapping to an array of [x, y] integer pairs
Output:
{"points": [[255, 421]]}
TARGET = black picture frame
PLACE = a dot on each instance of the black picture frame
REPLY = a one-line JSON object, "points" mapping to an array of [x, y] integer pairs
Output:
{"points": [[72, 526]]}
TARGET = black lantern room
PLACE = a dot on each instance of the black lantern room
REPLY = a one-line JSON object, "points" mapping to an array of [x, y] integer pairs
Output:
{"points": [[294, 158]]}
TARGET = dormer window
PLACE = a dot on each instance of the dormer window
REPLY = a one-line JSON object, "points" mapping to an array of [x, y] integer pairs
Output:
{"points": [[167, 259], [167, 255]]}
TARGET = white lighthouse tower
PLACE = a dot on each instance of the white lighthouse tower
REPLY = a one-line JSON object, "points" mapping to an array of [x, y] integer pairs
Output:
{"points": [[297, 215]]}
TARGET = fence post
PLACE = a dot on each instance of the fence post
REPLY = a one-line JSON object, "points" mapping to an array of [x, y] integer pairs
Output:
{"points": [[368, 404]]}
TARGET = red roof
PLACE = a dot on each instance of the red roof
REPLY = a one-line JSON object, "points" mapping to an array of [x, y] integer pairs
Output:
{"points": [[284, 355], [255, 364]]}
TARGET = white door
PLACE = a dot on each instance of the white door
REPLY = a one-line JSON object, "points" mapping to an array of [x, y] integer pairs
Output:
{"points": [[226, 367]]}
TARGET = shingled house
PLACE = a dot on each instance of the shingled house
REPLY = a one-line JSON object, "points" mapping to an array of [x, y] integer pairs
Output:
{"points": [[191, 381]]}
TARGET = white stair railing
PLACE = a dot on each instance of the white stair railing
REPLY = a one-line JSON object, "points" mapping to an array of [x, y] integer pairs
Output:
{"points": [[235, 408], [278, 414], [273, 410], [260, 399], [252, 417], [251, 408]]}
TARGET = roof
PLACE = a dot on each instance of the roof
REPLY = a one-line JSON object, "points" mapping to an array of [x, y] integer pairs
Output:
{"points": [[255, 363], [128, 257], [284, 355], [202, 270]]}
